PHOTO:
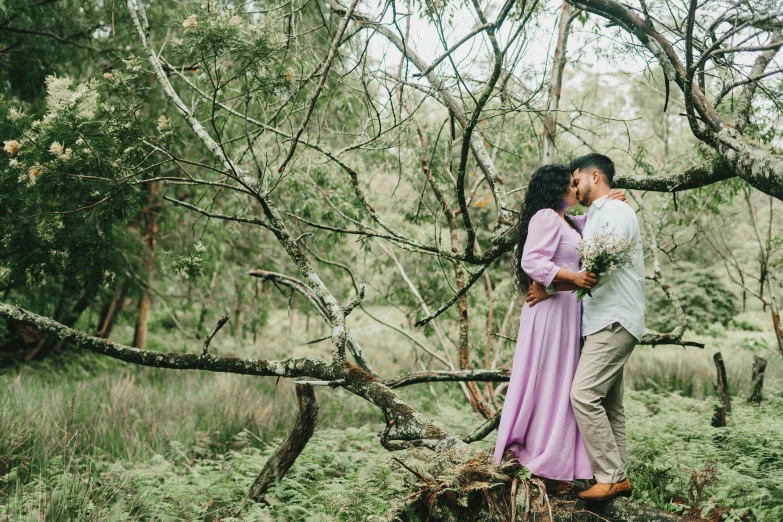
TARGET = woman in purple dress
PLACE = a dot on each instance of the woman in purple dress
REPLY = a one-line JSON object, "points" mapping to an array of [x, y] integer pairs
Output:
{"points": [[537, 423]]}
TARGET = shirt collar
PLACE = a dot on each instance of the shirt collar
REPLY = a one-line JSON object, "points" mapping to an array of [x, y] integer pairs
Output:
{"points": [[598, 204]]}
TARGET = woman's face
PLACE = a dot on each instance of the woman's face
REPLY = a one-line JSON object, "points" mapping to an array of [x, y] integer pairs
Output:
{"points": [[570, 196]]}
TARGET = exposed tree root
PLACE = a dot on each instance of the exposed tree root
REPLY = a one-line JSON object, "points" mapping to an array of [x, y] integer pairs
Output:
{"points": [[463, 485]]}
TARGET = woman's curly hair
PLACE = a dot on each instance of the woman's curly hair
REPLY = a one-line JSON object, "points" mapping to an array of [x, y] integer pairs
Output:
{"points": [[546, 189]]}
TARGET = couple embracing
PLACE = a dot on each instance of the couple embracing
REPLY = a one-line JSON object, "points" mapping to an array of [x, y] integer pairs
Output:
{"points": [[563, 414]]}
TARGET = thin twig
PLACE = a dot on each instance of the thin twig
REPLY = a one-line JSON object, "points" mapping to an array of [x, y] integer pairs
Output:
{"points": [[223, 320]]}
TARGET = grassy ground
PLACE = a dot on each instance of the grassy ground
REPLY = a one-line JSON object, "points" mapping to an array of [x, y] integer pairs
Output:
{"points": [[86, 438]]}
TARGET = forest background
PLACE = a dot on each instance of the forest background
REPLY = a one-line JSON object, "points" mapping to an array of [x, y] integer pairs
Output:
{"points": [[341, 182]]}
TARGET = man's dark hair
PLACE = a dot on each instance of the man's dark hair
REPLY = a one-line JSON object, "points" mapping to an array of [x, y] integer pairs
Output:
{"points": [[595, 161]]}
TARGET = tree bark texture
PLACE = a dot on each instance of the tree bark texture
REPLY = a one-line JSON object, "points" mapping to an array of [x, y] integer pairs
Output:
{"points": [[285, 455], [149, 216], [723, 382], [757, 379]]}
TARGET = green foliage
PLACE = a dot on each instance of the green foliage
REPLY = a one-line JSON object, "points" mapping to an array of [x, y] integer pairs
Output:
{"points": [[63, 205], [673, 450], [744, 324], [704, 299], [754, 344], [209, 474], [221, 39]]}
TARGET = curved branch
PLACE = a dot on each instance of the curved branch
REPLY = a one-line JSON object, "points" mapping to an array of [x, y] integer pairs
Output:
{"points": [[504, 219], [706, 173], [327, 64], [295, 284], [485, 429], [462, 291], [500, 375]]}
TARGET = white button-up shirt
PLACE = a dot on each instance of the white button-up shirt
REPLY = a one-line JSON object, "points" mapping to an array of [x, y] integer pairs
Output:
{"points": [[620, 298]]}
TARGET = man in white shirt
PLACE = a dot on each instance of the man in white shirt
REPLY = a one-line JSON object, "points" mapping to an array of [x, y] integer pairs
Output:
{"points": [[612, 324]]}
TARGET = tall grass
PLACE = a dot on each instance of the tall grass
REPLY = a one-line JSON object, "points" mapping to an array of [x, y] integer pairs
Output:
{"points": [[691, 371], [87, 438]]}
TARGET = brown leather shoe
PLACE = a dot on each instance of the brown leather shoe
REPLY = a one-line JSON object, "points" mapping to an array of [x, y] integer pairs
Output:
{"points": [[602, 491]]}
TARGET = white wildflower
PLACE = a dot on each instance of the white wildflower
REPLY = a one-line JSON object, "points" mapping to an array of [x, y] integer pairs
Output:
{"points": [[60, 255], [5, 274], [35, 276], [235, 21], [190, 23], [163, 123], [13, 163], [32, 175], [61, 97], [61, 152], [56, 148], [14, 114], [11, 146], [59, 93], [605, 252], [276, 39], [80, 142], [132, 63], [108, 75], [87, 98]]}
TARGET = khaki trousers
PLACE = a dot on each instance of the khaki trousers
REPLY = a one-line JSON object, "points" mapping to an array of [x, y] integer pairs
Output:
{"points": [[597, 399]]}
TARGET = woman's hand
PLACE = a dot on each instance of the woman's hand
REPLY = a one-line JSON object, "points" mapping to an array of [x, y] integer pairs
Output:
{"points": [[586, 280], [619, 195], [535, 294]]}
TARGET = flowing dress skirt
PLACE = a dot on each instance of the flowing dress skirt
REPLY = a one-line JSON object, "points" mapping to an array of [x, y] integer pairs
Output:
{"points": [[537, 423]]}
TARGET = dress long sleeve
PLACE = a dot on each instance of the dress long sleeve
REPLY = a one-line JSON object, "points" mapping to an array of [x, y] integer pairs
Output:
{"points": [[543, 236]]}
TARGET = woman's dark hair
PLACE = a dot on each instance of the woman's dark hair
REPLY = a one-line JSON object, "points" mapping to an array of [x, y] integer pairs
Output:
{"points": [[545, 190]]}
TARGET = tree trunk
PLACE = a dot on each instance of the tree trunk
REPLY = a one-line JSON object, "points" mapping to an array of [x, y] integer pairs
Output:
{"points": [[548, 151], [285, 455], [150, 218], [111, 310], [757, 380], [238, 335], [723, 382], [719, 417]]}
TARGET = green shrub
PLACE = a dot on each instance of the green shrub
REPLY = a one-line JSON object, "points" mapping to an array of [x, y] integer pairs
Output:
{"points": [[704, 299], [742, 324], [753, 344]]}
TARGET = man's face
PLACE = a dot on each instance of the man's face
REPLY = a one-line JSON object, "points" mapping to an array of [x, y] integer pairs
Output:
{"points": [[581, 181]]}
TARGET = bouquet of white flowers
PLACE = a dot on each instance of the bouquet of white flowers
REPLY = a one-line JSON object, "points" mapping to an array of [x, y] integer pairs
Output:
{"points": [[603, 253]]}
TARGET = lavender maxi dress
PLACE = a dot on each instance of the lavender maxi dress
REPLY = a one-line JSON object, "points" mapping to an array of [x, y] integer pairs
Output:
{"points": [[537, 422]]}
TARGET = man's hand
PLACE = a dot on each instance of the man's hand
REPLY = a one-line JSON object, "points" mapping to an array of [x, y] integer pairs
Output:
{"points": [[616, 194], [536, 293]]}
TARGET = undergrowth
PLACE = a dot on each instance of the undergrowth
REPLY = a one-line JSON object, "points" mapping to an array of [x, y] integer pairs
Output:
{"points": [[86, 442]]}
